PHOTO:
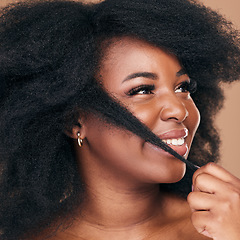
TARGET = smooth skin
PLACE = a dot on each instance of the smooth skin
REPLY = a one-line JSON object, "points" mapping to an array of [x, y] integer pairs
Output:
{"points": [[122, 172]]}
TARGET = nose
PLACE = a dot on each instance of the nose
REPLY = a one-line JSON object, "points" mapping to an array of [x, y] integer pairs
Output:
{"points": [[173, 108]]}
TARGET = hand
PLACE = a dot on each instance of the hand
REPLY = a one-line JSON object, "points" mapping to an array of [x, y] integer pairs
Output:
{"points": [[215, 202]]}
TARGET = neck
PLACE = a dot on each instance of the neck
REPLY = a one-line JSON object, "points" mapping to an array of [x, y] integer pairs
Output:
{"points": [[114, 200], [118, 205], [113, 208]]}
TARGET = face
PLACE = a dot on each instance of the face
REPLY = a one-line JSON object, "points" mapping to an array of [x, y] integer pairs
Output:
{"points": [[152, 84]]}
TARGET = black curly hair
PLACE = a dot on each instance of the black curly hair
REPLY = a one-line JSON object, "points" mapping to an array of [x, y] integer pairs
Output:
{"points": [[49, 54]]}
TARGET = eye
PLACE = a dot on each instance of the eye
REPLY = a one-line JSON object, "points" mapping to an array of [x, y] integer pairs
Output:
{"points": [[187, 86], [142, 89]]}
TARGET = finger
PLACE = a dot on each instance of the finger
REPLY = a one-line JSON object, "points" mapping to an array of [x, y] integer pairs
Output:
{"points": [[219, 172], [201, 220], [210, 184], [200, 201]]}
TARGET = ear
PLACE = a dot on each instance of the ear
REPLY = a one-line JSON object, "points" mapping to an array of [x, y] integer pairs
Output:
{"points": [[79, 128]]}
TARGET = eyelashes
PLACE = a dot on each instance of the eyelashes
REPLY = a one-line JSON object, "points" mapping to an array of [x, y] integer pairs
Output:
{"points": [[184, 87], [142, 89], [187, 86]]}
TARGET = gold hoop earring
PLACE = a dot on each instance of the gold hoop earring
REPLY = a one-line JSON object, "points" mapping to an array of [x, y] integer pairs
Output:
{"points": [[79, 139]]}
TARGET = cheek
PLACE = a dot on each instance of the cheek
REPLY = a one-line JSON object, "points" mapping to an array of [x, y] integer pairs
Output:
{"points": [[116, 152], [108, 142], [193, 118], [147, 113], [192, 121]]}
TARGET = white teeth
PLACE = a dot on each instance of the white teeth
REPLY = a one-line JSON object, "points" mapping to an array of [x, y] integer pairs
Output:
{"points": [[180, 141], [175, 142]]}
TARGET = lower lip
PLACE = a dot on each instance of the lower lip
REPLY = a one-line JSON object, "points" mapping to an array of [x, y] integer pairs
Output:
{"points": [[181, 150]]}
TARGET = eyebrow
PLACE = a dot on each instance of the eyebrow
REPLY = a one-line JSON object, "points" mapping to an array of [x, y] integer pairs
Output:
{"points": [[151, 75], [181, 72]]}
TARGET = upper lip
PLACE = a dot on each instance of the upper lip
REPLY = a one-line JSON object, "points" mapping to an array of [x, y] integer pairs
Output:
{"points": [[174, 134]]}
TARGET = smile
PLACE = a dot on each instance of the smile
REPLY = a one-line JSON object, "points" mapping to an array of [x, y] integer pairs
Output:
{"points": [[174, 141]]}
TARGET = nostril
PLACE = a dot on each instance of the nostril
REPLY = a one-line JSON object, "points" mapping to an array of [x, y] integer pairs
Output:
{"points": [[174, 118]]}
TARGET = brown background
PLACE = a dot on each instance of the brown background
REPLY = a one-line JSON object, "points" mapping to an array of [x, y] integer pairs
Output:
{"points": [[228, 119]]}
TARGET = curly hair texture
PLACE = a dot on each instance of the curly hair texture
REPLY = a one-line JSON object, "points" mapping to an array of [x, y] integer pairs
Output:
{"points": [[50, 52]]}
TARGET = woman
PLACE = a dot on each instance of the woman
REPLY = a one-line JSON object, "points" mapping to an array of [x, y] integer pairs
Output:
{"points": [[98, 114]]}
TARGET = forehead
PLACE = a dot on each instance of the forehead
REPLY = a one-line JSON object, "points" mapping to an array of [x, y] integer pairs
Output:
{"points": [[125, 55], [120, 46]]}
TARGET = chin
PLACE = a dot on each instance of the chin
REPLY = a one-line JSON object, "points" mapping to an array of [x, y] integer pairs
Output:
{"points": [[170, 172], [176, 174]]}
